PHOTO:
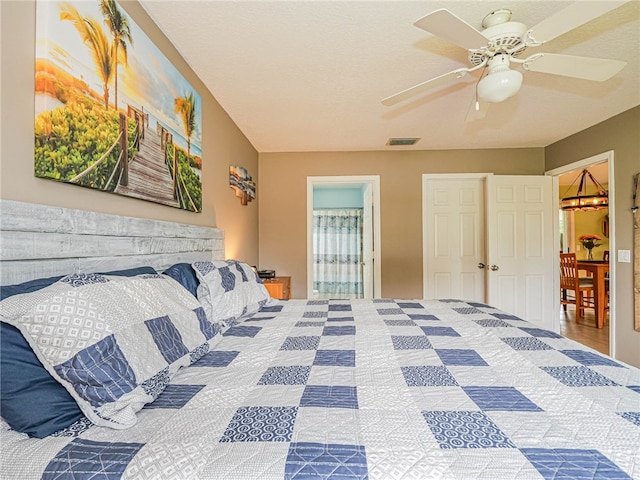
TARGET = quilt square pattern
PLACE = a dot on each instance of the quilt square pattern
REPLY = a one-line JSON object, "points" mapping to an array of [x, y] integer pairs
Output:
{"points": [[506, 399], [307, 460], [242, 331], [410, 342], [564, 463], [339, 307], [428, 376], [337, 330], [288, 375], [217, 358], [460, 357], [539, 332], [440, 331], [465, 429], [400, 323], [261, 424], [301, 343], [328, 396], [335, 358], [590, 358], [579, 376], [526, 343]]}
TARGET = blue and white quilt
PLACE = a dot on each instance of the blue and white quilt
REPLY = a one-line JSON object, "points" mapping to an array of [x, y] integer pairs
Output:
{"points": [[383, 389]]}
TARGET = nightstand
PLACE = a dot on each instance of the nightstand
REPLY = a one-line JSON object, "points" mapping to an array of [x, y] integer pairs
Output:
{"points": [[278, 287]]}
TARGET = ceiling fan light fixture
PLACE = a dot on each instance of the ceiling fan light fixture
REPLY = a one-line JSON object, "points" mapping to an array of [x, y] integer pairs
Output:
{"points": [[500, 85]]}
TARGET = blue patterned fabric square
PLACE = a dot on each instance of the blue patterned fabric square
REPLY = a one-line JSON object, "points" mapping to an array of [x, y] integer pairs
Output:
{"points": [[410, 305], [300, 343], [317, 302], [506, 316], [570, 464], [579, 376], [104, 364], [261, 424], [272, 308], [175, 396], [329, 396], [540, 332], [337, 330], [460, 357], [390, 311], [506, 399], [428, 376], [208, 329], [304, 323], [478, 304], [88, 459], [526, 343], [400, 323], [463, 429], [635, 388], [340, 307], [440, 331], [216, 359], [286, 375], [340, 319], [306, 461], [422, 316], [410, 342], [242, 331], [335, 358], [633, 417], [81, 279], [167, 338], [467, 310], [492, 322], [315, 314], [589, 358]]}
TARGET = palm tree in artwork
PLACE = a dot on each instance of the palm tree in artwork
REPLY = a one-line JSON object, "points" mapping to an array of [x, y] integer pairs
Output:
{"points": [[93, 36], [121, 33], [186, 107]]}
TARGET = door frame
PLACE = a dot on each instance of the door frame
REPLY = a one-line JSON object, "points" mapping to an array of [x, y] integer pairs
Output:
{"points": [[426, 177], [372, 182], [607, 156]]}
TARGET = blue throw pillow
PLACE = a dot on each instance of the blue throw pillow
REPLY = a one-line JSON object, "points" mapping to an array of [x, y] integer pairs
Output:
{"points": [[185, 275], [31, 400]]}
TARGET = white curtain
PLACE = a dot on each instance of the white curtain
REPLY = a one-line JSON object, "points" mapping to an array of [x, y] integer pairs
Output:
{"points": [[337, 253]]}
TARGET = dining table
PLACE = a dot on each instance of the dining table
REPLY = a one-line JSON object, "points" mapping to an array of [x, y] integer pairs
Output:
{"points": [[599, 269]]}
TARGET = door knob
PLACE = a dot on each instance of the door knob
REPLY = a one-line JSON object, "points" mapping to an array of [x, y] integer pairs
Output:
{"points": [[481, 265], [494, 268]]}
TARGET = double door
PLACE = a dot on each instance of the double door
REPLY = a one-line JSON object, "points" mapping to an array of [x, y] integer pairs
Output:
{"points": [[489, 238]]}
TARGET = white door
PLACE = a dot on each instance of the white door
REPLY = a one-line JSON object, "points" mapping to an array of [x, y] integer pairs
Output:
{"points": [[454, 229], [513, 237], [521, 247]]}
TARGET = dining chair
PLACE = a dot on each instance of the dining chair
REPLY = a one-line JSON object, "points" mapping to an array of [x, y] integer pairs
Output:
{"points": [[582, 288]]}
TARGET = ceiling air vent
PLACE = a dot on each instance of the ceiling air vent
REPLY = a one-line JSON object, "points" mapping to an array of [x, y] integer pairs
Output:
{"points": [[402, 141]]}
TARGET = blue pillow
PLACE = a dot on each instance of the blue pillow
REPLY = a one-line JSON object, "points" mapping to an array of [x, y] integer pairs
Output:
{"points": [[31, 400], [185, 275]]}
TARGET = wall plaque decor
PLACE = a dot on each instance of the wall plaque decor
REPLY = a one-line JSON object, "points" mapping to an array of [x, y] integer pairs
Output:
{"points": [[242, 183], [111, 111]]}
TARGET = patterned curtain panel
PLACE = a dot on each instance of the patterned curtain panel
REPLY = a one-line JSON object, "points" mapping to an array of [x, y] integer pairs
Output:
{"points": [[337, 253]]}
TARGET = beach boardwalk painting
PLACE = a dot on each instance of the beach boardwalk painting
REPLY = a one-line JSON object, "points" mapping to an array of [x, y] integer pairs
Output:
{"points": [[112, 113]]}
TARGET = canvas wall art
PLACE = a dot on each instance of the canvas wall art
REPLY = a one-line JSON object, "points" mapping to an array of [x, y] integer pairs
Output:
{"points": [[242, 184], [111, 111]]}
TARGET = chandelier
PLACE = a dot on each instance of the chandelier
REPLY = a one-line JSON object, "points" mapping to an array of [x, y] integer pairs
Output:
{"points": [[582, 200]]}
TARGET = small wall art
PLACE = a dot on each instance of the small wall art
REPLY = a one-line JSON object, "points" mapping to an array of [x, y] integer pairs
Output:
{"points": [[111, 111], [242, 183]]}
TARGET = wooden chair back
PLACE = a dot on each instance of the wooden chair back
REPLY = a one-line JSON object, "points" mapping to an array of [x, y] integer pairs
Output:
{"points": [[569, 279]]}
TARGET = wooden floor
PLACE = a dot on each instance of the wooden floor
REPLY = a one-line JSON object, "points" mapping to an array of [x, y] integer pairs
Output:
{"points": [[586, 331]]}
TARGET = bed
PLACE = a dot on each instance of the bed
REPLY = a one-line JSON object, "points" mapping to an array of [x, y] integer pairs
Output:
{"points": [[315, 389]]}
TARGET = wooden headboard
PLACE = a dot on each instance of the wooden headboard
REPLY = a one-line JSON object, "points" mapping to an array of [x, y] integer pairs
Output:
{"points": [[39, 241]]}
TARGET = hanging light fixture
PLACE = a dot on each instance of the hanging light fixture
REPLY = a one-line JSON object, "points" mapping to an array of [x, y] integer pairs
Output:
{"points": [[582, 200]]}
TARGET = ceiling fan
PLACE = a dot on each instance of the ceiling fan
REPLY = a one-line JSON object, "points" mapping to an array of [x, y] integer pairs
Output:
{"points": [[502, 41]]}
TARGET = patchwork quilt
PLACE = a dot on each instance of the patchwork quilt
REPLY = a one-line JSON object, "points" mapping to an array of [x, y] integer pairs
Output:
{"points": [[382, 389]]}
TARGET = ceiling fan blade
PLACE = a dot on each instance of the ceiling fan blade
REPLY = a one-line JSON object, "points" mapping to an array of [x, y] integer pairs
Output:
{"points": [[587, 68], [446, 25], [571, 17], [421, 87]]}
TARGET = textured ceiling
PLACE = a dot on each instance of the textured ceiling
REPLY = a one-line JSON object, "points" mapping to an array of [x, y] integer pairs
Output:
{"points": [[310, 75]]}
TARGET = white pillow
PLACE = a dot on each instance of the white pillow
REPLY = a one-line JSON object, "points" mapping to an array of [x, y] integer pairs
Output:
{"points": [[229, 290], [113, 342]]}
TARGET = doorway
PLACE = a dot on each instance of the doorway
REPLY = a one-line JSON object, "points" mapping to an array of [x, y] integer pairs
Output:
{"points": [[569, 227], [343, 237]]}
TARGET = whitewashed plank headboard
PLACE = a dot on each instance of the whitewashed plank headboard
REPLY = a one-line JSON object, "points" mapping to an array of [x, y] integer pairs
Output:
{"points": [[42, 241]]}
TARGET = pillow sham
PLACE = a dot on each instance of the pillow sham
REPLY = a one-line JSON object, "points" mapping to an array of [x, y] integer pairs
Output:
{"points": [[184, 274], [32, 401], [113, 342], [229, 290]]}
